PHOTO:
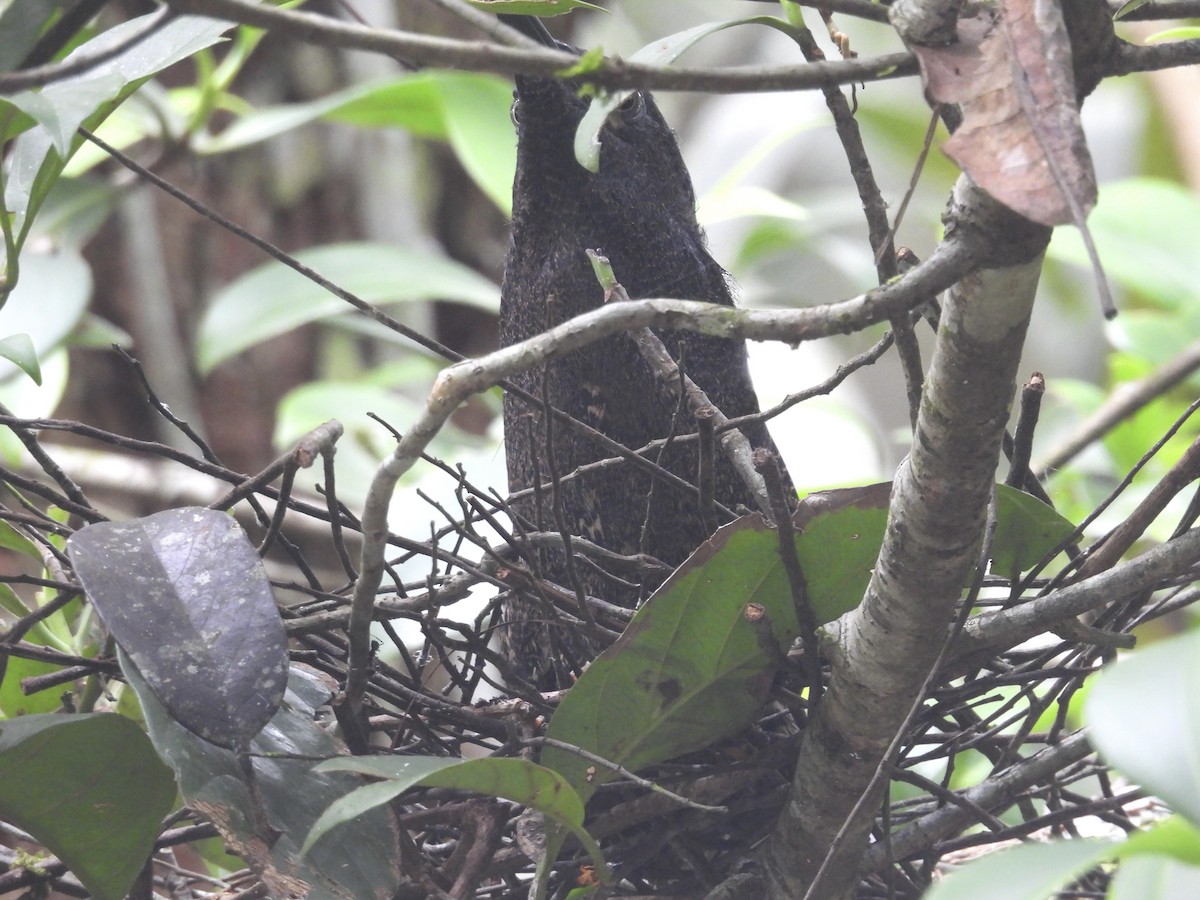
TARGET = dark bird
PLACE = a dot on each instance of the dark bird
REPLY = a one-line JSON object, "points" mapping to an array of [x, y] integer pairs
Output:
{"points": [[640, 211]]}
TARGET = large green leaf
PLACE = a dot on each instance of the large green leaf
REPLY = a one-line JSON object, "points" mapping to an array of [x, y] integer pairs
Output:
{"points": [[357, 862], [1153, 692], [688, 669], [1142, 229], [1032, 871], [468, 110], [273, 299], [88, 787], [695, 662], [519, 780], [693, 667], [60, 108]]}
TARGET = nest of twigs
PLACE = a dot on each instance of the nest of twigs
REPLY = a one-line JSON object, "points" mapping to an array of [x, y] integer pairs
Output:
{"points": [[450, 692]]}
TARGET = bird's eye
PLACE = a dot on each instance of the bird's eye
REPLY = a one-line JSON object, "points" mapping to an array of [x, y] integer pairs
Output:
{"points": [[632, 107]]}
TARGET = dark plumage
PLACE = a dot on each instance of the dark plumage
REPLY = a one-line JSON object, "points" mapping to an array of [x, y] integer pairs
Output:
{"points": [[639, 210]]}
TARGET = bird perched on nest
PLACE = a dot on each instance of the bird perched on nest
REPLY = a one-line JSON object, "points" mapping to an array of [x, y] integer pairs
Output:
{"points": [[639, 210]]}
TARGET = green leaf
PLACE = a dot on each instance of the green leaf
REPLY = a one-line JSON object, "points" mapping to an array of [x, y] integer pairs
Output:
{"points": [[1175, 837], [1154, 878], [38, 157], [590, 61], [477, 112], [1141, 228], [1182, 33], [1026, 530], [358, 862], [543, 8], [693, 667], [304, 408], [273, 299], [410, 102], [48, 632], [468, 110], [1032, 871], [21, 23], [365, 441], [686, 671], [11, 539], [1127, 7], [30, 400], [88, 787], [519, 780], [61, 107], [1153, 692], [839, 536], [19, 349], [14, 701], [49, 300]]}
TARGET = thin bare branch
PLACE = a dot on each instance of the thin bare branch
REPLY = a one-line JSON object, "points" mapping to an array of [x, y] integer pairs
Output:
{"points": [[613, 73]]}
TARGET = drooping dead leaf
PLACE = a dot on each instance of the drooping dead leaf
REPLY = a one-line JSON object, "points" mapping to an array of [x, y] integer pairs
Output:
{"points": [[1020, 139]]}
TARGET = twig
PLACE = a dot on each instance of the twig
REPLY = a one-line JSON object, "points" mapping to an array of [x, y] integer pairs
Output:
{"points": [[997, 791], [1120, 539], [1022, 442], [1125, 400], [624, 773], [767, 465], [26, 436], [705, 418], [988, 632]]}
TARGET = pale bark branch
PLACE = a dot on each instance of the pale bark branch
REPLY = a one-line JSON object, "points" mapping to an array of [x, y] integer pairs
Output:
{"points": [[989, 633], [936, 521]]}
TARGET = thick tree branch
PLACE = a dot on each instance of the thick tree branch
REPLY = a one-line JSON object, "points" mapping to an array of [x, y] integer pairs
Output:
{"points": [[938, 510], [989, 633]]}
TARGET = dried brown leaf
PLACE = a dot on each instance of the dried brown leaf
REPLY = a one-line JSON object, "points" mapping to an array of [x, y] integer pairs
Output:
{"points": [[1020, 139]]}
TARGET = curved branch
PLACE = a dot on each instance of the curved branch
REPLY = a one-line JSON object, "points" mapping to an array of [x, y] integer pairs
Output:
{"points": [[953, 257]]}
